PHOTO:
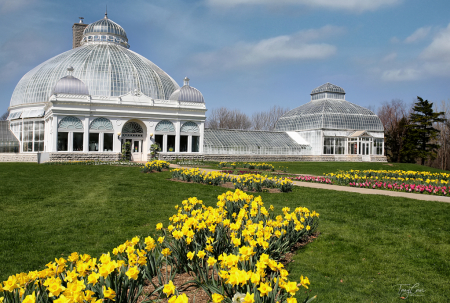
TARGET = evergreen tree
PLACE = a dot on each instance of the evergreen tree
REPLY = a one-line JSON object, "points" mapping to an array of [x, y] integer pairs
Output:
{"points": [[421, 139]]}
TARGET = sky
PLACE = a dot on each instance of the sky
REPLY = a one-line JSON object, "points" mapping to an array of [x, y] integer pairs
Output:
{"points": [[254, 54]]}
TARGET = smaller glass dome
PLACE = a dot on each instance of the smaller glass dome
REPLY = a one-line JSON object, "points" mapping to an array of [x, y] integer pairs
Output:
{"points": [[105, 30], [187, 93], [328, 110], [328, 87], [70, 85]]}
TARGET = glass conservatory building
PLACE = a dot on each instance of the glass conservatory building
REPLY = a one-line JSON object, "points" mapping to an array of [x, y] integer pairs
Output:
{"points": [[100, 100]]}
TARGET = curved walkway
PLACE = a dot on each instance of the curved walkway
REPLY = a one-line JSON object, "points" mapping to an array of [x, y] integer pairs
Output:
{"points": [[365, 191]]}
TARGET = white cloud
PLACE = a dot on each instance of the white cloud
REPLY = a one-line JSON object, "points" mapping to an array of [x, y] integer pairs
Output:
{"points": [[433, 61], [406, 74], [296, 47], [439, 49], [390, 57], [350, 5], [419, 34], [7, 6], [394, 40]]}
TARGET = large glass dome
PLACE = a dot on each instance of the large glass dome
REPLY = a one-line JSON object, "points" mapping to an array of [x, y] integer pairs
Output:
{"points": [[329, 113], [107, 68]]}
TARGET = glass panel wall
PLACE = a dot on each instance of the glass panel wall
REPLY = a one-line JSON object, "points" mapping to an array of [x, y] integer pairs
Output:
{"points": [[378, 146], [39, 136], [353, 146], [328, 146], [33, 135], [340, 146]]}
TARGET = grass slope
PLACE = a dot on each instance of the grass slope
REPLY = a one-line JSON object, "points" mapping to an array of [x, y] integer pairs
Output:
{"points": [[371, 243]]}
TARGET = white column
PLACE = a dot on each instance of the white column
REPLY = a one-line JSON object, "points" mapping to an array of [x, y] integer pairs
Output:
{"points": [[86, 135], [55, 134], [177, 136], [164, 147], [189, 150], [357, 147], [202, 135]]}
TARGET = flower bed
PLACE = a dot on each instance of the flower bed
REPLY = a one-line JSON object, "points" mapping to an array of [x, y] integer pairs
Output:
{"points": [[404, 181], [248, 182], [157, 165], [94, 162], [232, 251]]}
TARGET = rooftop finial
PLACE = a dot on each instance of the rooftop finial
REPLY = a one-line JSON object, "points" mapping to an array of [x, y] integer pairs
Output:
{"points": [[70, 70], [106, 12], [81, 19], [186, 81]]}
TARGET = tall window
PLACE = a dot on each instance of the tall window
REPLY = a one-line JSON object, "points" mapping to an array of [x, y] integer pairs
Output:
{"points": [[189, 139], [165, 135], [70, 134], [101, 133]]}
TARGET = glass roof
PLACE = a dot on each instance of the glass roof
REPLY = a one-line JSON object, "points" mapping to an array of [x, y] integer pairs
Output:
{"points": [[105, 30], [105, 26], [328, 87], [253, 142], [329, 114], [5, 134], [107, 69]]}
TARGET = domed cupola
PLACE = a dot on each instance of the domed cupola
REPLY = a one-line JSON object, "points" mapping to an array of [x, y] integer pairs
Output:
{"points": [[70, 85], [328, 91], [187, 93], [105, 31]]}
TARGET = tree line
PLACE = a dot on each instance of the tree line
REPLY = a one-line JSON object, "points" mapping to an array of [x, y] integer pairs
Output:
{"points": [[235, 119], [416, 134]]}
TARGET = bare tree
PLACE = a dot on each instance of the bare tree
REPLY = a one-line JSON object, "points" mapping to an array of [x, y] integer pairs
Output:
{"points": [[394, 116], [442, 157], [4, 116], [228, 119], [267, 120]]}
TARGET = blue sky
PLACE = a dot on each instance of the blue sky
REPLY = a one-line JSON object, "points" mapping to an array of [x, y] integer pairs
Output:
{"points": [[253, 54]]}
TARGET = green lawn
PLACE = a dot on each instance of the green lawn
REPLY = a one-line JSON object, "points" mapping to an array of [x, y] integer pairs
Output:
{"points": [[372, 243]]}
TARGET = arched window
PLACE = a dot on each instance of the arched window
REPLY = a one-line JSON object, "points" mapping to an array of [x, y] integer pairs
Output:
{"points": [[165, 126], [190, 127], [70, 123], [101, 135], [101, 124], [70, 134], [132, 129]]}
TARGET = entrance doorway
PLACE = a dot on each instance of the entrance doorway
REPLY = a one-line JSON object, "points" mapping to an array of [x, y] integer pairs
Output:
{"points": [[136, 150], [133, 141]]}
